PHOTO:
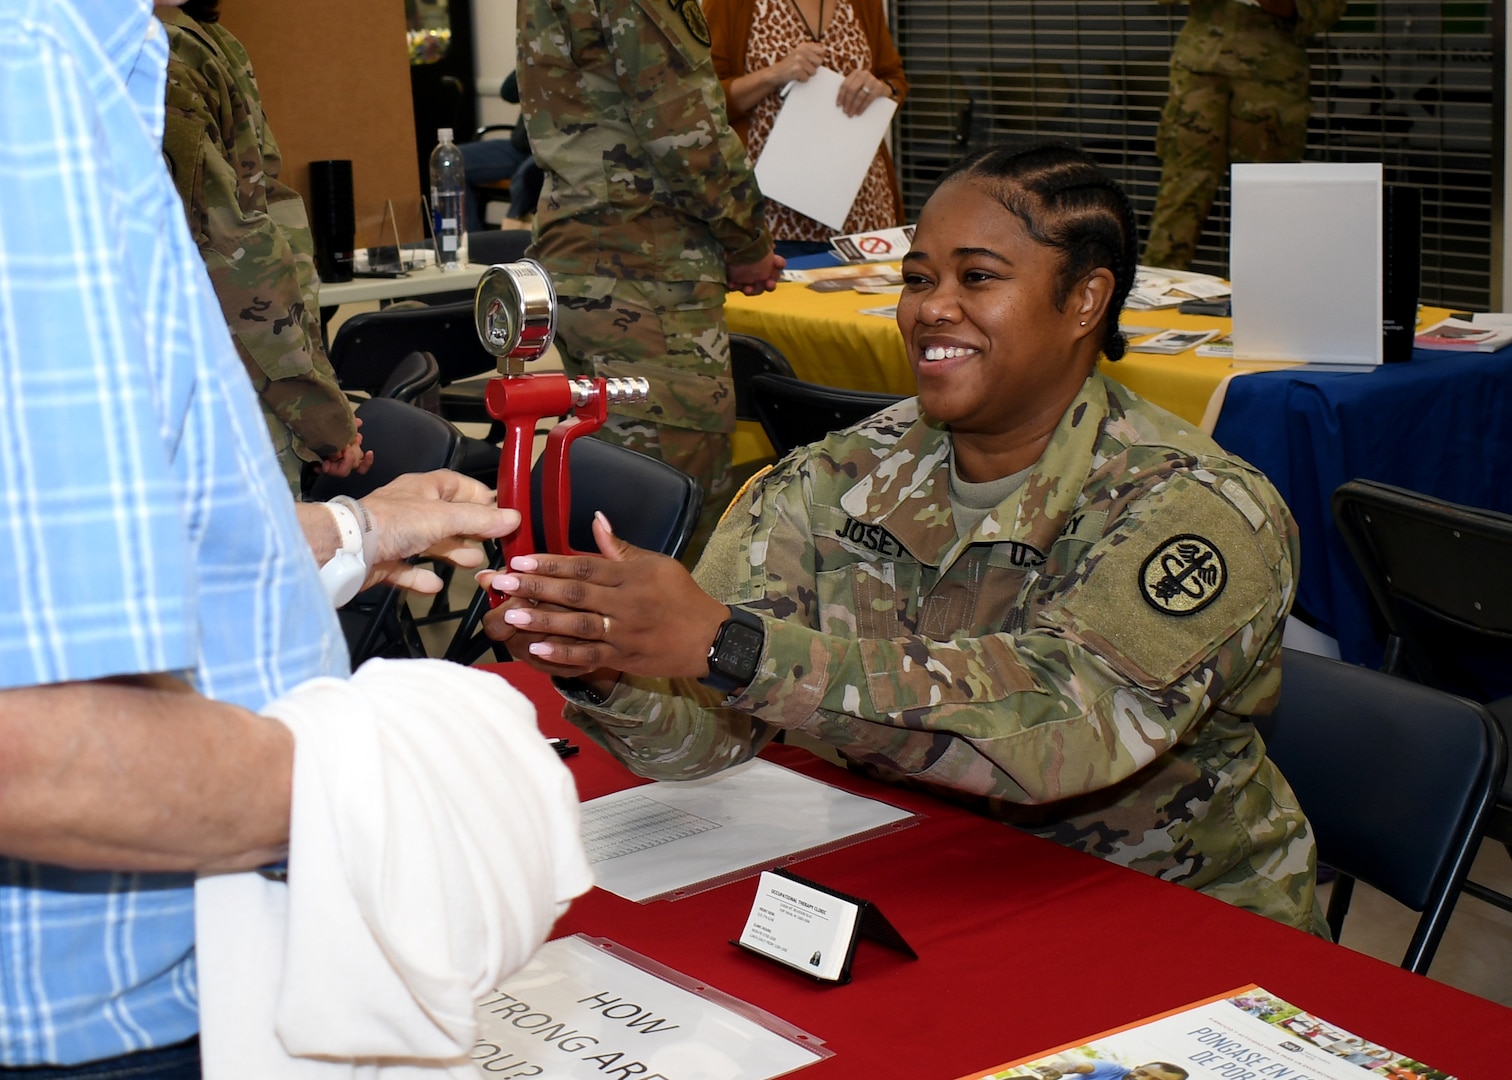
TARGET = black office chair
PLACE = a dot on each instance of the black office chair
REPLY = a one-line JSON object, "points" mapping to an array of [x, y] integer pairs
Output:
{"points": [[1396, 778], [794, 412], [651, 504], [1440, 578], [404, 439]]}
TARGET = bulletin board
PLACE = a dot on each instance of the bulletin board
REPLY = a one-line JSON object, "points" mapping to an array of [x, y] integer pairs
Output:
{"points": [[335, 83]]}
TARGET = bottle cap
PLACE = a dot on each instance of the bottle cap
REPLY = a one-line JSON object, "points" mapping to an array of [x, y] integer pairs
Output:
{"points": [[443, 134]]}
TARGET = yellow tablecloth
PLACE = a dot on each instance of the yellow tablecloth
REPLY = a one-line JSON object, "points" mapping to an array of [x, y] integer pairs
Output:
{"points": [[828, 340]]}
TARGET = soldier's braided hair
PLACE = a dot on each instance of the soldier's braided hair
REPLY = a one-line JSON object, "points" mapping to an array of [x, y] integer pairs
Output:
{"points": [[1068, 203]]}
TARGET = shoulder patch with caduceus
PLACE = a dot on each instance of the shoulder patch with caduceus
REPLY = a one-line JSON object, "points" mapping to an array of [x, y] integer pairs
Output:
{"points": [[693, 19], [1183, 575]]}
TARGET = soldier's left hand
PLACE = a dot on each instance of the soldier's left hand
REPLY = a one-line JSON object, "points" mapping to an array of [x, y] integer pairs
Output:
{"points": [[627, 610]]}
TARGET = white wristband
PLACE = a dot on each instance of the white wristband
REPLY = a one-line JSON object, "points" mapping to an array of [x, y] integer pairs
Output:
{"points": [[365, 520], [344, 573]]}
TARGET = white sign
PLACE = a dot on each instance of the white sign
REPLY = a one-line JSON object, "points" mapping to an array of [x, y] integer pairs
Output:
{"points": [[801, 926], [1306, 257], [580, 1010]]}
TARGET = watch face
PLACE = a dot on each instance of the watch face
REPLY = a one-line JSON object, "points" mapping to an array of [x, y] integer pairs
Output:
{"points": [[740, 650]]}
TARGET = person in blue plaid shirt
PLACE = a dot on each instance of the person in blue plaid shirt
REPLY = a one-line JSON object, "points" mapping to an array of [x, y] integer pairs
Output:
{"points": [[156, 579]]}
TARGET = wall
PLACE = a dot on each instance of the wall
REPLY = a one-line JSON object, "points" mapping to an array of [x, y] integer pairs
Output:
{"points": [[335, 83], [494, 52]]}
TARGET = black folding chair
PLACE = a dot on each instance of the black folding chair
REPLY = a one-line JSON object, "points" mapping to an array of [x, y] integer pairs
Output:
{"points": [[1396, 778], [371, 343], [1440, 577], [650, 504], [794, 412], [751, 356], [404, 439]]}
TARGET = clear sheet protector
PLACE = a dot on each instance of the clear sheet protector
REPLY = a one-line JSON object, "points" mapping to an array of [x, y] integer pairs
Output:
{"points": [[584, 1008], [816, 157], [676, 838]]}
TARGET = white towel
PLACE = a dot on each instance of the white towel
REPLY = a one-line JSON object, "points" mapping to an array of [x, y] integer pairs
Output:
{"points": [[434, 840]]}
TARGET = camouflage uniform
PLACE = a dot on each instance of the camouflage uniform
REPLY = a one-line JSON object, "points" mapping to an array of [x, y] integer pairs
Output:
{"points": [[254, 236], [648, 196], [1239, 92], [1082, 664]]}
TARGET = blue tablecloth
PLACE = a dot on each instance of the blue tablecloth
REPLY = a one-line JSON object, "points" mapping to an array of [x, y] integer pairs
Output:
{"points": [[1440, 424]]}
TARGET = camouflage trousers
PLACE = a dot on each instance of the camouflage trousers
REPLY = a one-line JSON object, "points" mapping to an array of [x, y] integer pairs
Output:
{"points": [[673, 335], [1209, 122]]}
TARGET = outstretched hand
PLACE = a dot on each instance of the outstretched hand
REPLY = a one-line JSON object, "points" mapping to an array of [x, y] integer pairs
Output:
{"points": [[628, 610], [439, 514]]}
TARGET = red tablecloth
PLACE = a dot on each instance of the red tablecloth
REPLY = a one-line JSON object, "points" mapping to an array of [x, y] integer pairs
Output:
{"points": [[1023, 945]]}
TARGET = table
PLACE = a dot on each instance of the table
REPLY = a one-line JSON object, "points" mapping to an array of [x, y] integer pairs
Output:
{"points": [[1440, 424], [1023, 945], [827, 339], [423, 282]]}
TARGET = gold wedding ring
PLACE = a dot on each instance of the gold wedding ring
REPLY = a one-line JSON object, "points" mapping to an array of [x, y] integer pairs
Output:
{"points": [[606, 625]]}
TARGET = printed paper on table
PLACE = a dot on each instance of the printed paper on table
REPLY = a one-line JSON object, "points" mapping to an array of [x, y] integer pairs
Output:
{"points": [[1246, 1031]]}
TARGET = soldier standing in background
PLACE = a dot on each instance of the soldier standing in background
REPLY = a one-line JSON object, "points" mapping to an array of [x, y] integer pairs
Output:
{"points": [[649, 210], [1239, 92], [255, 239], [1026, 589]]}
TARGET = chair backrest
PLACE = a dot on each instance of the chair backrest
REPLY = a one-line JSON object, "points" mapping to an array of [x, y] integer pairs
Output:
{"points": [[793, 412], [404, 438], [751, 356], [1395, 777], [414, 380], [1440, 575], [370, 344], [650, 503], [492, 246]]}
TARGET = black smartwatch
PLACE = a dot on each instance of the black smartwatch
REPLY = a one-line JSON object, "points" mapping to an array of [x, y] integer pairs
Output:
{"points": [[736, 651]]}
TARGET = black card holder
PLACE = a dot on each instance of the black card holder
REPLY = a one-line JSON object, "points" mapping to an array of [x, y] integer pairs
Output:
{"points": [[870, 924]]}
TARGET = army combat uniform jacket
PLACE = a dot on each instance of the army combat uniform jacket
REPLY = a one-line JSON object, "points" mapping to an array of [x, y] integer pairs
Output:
{"points": [[1230, 37], [253, 233], [644, 177], [1082, 664]]}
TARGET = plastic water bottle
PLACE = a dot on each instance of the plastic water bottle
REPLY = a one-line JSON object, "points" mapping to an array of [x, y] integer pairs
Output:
{"points": [[448, 191]]}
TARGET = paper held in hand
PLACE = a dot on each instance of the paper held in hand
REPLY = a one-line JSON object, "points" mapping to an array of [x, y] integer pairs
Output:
{"points": [[816, 157]]}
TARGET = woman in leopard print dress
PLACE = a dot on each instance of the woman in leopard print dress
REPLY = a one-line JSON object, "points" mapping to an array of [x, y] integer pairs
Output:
{"points": [[759, 46]]}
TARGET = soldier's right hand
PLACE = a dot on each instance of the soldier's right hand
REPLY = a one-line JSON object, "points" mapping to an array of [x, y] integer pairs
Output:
{"points": [[755, 278]]}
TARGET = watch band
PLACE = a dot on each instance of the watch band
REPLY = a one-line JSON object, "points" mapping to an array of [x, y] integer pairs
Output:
{"points": [[735, 654]]}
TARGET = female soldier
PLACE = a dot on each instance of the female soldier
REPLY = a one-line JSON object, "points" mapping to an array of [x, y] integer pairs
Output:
{"points": [[1025, 589]]}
